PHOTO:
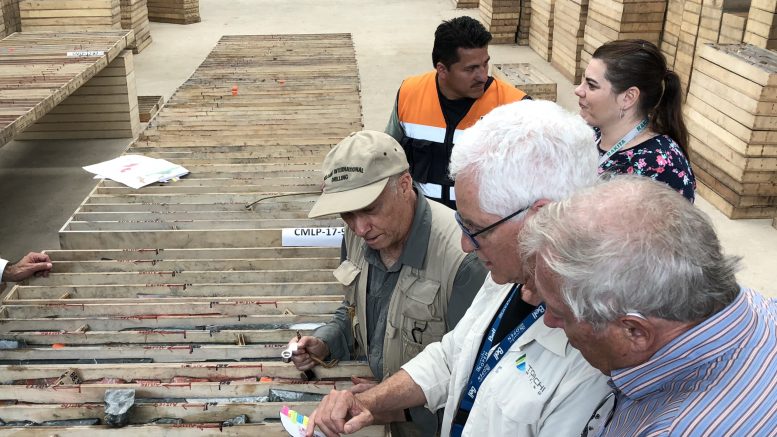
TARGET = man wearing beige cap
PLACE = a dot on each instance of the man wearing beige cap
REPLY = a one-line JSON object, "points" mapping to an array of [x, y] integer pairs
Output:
{"points": [[407, 280]]}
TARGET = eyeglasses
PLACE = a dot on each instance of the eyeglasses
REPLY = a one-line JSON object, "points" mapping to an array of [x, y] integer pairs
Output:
{"points": [[596, 424], [472, 235]]}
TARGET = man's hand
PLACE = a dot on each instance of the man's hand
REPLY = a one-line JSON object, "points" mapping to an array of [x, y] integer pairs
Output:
{"points": [[33, 263], [339, 413], [306, 346]]}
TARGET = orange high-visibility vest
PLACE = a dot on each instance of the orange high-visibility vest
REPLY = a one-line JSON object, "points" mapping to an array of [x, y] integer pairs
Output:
{"points": [[428, 139]]}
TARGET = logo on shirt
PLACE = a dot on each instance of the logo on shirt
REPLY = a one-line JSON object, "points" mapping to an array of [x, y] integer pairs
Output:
{"points": [[534, 380], [520, 363]]}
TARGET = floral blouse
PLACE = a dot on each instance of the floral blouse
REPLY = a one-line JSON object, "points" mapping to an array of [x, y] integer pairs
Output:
{"points": [[659, 158]]}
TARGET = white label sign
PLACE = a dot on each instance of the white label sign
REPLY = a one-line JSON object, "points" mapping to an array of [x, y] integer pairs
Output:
{"points": [[85, 53], [312, 237]]}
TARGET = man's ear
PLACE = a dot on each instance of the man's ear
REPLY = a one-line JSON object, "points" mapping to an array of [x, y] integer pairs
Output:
{"points": [[442, 71], [405, 183], [539, 204], [640, 333]]}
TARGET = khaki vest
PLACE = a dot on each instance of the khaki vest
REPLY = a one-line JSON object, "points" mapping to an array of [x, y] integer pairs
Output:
{"points": [[420, 299]]}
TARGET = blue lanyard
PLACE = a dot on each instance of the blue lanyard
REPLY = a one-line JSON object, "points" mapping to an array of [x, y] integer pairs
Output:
{"points": [[487, 361]]}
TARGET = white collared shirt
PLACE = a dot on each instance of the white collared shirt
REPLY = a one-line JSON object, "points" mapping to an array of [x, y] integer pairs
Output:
{"points": [[3, 263], [541, 387]]}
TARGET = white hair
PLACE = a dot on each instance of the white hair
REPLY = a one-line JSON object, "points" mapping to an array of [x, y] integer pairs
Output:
{"points": [[526, 151], [632, 244]]}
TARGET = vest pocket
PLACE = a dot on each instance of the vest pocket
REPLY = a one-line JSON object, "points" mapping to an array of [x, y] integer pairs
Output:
{"points": [[347, 273], [422, 322]]}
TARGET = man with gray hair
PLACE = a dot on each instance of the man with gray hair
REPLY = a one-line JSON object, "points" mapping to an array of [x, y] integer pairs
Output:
{"points": [[635, 276], [497, 373], [406, 280]]}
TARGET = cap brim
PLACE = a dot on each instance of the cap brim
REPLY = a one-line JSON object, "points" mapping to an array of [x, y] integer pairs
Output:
{"points": [[346, 201]]}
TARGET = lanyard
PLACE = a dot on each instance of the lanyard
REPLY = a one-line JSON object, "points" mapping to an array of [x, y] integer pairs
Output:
{"points": [[487, 361], [628, 137]]}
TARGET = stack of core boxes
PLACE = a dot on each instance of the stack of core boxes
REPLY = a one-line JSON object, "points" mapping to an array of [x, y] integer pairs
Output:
{"points": [[731, 113], [761, 30], [541, 28], [501, 18], [609, 20], [569, 18]]}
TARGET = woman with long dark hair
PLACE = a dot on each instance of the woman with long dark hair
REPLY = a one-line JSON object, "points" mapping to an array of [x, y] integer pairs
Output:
{"points": [[633, 102]]}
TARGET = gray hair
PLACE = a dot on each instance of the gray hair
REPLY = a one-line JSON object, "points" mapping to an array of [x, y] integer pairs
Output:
{"points": [[393, 182], [631, 244], [526, 151]]}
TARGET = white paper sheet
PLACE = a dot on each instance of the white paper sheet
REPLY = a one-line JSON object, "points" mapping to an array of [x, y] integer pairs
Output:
{"points": [[137, 171]]}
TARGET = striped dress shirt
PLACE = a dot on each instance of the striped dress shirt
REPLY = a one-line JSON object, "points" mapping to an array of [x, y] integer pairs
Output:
{"points": [[717, 379]]}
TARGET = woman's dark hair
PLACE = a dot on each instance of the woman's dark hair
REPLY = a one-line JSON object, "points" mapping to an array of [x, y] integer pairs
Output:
{"points": [[639, 63], [460, 32]]}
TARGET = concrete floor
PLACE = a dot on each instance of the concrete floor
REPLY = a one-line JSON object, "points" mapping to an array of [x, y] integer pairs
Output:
{"points": [[42, 183]]}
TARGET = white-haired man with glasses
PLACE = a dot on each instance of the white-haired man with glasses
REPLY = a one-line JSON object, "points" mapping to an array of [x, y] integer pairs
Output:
{"points": [[501, 371]]}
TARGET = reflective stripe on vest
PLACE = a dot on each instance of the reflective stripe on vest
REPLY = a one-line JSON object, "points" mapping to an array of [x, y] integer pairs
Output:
{"points": [[421, 118]]}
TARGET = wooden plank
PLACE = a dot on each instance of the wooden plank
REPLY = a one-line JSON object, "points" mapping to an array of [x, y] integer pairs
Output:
{"points": [[95, 391], [756, 183], [729, 125], [126, 340], [165, 372], [188, 254], [155, 321], [183, 276], [173, 289], [729, 210], [155, 353], [198, 265]]}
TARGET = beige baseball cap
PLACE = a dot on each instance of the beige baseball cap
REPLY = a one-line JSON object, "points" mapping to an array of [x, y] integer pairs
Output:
{"points": [[356, 170]]}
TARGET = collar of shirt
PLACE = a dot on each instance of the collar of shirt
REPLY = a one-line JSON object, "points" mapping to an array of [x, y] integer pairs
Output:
{"points": [[552, 339], [705, 341], [414, 252]]}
